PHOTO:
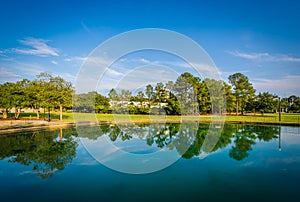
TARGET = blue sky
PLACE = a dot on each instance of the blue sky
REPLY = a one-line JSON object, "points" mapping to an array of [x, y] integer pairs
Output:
{"points": [[260, 39]]}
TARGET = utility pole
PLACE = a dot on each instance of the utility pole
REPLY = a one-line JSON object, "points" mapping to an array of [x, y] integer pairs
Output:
{"points": [[279, 114], [49, 117]]}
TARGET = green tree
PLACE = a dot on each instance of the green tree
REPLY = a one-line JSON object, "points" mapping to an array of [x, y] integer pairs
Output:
{"points": [[113, 95], [173, 106], [160, 93], [243, 90], [170, 86], [140, 96], [37, 95], [266, 102], [59, 92], [230, 98], [91, 102], [186, 93], [149, 93], [19, 96], [203, 98], [284, 104], [217, 95], [125, 95], [6, 98], [294, 103], [63, 96], [84, 102], [101, 103]]}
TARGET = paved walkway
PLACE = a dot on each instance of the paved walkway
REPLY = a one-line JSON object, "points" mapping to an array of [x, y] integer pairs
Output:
{"points": [[11, 126]]}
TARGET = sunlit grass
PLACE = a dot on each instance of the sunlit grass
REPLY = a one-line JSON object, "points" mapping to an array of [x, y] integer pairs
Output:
{"points": [[266, 118], [68, 117]]}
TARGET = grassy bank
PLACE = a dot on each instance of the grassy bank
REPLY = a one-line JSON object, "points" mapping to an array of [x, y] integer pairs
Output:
{"points": [[249, 118]]}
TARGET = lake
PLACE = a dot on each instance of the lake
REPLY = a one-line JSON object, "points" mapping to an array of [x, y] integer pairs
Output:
{"points": [[152, 162]]}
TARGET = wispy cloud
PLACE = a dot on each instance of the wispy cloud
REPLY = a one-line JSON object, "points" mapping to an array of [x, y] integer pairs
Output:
{"points": [[8, 76], [2, 53], [180, 66], [75, 58], [67, 76], [265, 57], [38, 47], [54, 62], [225, 74], [31, 69], [287, 85], [134, 73], [112, 72]]}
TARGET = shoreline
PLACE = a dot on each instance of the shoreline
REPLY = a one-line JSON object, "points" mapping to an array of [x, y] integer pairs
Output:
{"points": [[16, 126]]}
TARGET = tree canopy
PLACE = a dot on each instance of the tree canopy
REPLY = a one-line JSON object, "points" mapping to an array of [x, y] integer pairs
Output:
{"points": [[44, 92], [243, 90]]}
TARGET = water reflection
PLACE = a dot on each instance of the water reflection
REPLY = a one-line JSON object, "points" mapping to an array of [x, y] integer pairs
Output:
{"points": [[49, 151], [44, 151], [170, 136]]}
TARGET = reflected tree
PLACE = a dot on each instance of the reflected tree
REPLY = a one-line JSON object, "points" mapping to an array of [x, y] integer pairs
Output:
{"points": [[46, 151], [189, 139], [114, 133], [267, 133], [185, 137], [194, 149], [162, 134], [244, 138], [225, 138]]}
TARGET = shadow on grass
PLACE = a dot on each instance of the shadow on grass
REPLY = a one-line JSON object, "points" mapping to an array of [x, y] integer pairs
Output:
{"points": [[32, 116]]}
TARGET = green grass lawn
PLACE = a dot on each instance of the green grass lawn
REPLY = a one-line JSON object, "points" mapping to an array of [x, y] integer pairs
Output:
{"points": [[268, 118], [68, 117], [285, 118]]}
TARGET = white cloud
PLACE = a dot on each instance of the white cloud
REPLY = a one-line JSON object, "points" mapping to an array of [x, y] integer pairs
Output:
{"points": [[138, 78], [285, 86], [8, 76], [2, 53], [265, 57], [180, 66], [38, 47], [113, 73], [28, 69], [134, 73], [75, 58], [144, 60], [67, 76], [225, 74], [54, 62]]}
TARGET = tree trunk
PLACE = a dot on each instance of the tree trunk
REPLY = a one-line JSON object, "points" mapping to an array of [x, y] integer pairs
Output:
{"points": [[237, 107], [37, 114], [60, 112], [44, 114], [17, 113], [5, 112], [242, 108]]}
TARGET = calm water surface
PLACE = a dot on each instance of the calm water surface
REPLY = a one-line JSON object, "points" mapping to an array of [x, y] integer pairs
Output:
{"points": [[248, 163]]}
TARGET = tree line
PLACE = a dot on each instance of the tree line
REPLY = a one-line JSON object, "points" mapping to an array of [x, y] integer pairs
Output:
{"points": [[191, 95], [46, 91], [187, 95]]}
